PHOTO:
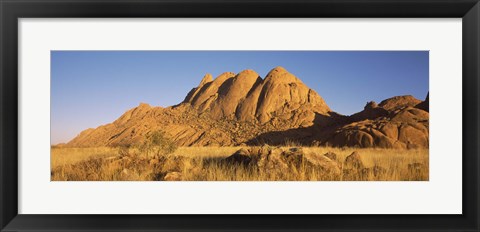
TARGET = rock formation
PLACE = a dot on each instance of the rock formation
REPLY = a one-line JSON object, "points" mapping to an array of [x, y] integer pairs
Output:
{"points": [[243, 108], [397, 102], [278, 161], [248, 97], [403, 128]]}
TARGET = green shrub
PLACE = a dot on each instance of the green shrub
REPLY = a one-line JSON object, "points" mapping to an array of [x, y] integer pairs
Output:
{"points": [[157, 144]]}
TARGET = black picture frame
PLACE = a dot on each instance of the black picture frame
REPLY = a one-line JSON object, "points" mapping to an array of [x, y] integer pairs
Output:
{"points": [[12, 10]]}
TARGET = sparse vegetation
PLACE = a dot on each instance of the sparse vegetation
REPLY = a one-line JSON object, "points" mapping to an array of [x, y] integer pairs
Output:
{"points": [[207, 163], [157, 144]]}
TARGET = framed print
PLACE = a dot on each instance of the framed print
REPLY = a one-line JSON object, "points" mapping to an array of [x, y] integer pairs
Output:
{"points": [[225, 115]]}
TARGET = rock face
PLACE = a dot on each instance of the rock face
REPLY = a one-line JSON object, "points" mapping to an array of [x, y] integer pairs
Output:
{"points": [[247, 97], [243, 108]]}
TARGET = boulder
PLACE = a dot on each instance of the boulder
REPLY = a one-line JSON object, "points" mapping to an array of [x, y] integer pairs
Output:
{"points": [[354, 161], [331, 156], [398, 102], [242, 156], [276, 160]]}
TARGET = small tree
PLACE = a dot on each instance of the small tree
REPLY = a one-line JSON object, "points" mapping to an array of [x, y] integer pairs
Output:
{"points": [[157, 144]]}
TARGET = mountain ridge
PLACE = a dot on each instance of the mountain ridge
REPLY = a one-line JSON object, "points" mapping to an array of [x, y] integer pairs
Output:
{"points": [[236, 109]]}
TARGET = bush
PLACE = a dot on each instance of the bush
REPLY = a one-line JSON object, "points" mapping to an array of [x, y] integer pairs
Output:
{"points": [[157, 144]]}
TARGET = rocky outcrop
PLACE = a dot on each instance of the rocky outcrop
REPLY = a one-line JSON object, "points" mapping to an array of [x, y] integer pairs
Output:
{"points": [[231, 94], [247, 97], [354, 161], [370, 111], [331, 156], [396, 122], [193, 93], [243, 108], [407, 128], [395, 103], [282, 161]]}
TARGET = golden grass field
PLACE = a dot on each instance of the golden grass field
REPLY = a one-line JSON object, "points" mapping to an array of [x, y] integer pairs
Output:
{"points": [[204, 164]]}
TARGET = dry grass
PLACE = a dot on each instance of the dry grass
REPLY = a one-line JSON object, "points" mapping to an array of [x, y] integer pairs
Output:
{"points": [[66, 156], [206, 163], [205, 152]]}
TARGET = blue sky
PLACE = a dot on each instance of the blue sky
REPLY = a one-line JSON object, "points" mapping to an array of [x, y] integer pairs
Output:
{"points": [[92, 88]]}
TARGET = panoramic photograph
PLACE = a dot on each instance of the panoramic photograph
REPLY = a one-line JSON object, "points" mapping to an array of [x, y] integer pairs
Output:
{"points": [[239, 116]]}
